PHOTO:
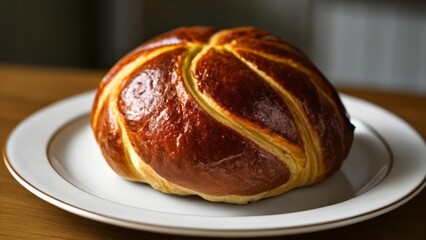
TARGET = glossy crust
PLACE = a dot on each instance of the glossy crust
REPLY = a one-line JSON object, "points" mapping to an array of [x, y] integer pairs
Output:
{"points": [[231, 115]]}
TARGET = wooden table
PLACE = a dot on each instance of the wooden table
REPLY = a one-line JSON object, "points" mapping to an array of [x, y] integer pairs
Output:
{"points": [[23, 90]]}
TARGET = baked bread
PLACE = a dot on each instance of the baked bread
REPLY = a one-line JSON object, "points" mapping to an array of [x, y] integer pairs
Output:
{"points": [[232, 115]]}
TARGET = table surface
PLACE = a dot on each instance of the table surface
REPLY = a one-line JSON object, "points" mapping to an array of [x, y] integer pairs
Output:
{"points": [[25, 89]]}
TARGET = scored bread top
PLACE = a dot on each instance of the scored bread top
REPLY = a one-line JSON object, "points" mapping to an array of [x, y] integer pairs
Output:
{"points": [[231, 115]]}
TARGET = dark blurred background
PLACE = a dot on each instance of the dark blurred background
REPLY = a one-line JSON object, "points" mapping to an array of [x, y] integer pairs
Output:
{"points": [[380, 44]]}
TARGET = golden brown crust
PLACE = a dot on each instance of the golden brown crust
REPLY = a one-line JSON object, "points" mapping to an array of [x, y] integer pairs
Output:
{"points": [[234, 87], [110, 141], [321, 109], [232, 115], [182, 143]]}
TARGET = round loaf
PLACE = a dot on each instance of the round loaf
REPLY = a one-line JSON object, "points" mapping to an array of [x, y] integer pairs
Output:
{"points": [[231, 115]]}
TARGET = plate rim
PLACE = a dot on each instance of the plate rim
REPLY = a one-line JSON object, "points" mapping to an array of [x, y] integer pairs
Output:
{"points": [[188, 231], [194, 231]]}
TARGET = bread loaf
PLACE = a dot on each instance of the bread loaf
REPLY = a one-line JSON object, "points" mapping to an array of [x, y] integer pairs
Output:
{"points": [[232, 115]]}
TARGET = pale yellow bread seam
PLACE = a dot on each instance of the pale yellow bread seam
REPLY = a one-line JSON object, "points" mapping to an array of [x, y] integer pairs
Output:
{"points": [[251, 131], [290, 62], [311, 168], [205, 104]]}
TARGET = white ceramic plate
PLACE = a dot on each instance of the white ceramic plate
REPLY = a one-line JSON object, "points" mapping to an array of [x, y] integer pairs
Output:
{"points": [[54, 155]]}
